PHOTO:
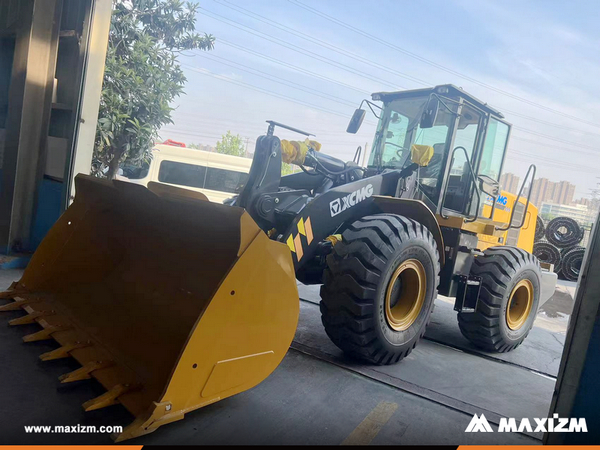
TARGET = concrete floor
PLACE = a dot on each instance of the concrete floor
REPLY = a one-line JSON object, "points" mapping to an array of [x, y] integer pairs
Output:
{"points": [[317, 395]]}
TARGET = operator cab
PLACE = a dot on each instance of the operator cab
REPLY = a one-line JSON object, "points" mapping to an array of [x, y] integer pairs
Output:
{"points": [[468, 139]]}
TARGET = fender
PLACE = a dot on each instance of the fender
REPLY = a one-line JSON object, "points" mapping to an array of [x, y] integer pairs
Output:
{"points": [[413, 209], [327, 212]]}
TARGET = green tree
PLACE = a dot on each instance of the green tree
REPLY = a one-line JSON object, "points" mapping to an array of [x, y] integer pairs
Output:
{"points": [[142, 77], [287, 169], [231, 145]]}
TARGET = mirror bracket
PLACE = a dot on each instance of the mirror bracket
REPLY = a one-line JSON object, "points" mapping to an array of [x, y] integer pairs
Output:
{"points": [[359, 116], [430, 113]]}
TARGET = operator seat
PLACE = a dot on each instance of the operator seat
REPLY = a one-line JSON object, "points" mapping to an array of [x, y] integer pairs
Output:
{"points": [[429, 175]]}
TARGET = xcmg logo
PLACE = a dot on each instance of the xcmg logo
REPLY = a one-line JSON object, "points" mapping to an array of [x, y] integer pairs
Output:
{"points": [[553, 424], [501, 200], [342, 204]]}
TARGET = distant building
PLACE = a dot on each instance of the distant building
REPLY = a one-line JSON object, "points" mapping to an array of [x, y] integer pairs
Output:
{"points": [[580, 213], [583, 201], [510, 182], [544, 190], [540, 191], [563, 193]]}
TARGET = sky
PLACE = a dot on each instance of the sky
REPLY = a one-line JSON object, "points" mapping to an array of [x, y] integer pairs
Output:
{"points": [[309, 63]]}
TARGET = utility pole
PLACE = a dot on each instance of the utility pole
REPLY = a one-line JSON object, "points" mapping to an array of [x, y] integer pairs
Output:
{"points": [[246, 152], [365, 154], [595, 194]]}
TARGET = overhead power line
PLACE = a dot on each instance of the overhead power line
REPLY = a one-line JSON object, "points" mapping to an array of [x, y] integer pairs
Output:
{"points": [[525, 130], [557, 165], [437, 65], [295, 68], [554, 162], [552, 138], [264, 91], [552, 124], [298, 49], [368, 93], [277, 79], [321, 42], [331, 62]]}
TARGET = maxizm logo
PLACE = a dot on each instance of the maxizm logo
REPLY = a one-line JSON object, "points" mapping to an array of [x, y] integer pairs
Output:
{"points": [[553, 424], [342, 204]]}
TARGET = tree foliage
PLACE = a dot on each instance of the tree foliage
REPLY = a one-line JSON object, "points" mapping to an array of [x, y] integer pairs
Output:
{"points": [[287, 169], [231, 145], [142, 77]]}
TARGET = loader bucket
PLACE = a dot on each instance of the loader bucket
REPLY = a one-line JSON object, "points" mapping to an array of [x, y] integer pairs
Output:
{"points": [[170, 301]]}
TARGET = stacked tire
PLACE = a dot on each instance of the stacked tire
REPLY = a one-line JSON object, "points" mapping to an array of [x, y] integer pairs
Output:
{"points": [[571, 263], [548, 253], [563, 232], [557, 243]]}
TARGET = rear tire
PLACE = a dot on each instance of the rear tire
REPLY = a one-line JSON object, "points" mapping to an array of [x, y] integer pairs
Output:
{"points": [[379, 287], [508, 300]]}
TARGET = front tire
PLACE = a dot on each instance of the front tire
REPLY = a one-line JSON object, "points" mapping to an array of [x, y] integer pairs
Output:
{"points": [[508, 300], [379, 287]]}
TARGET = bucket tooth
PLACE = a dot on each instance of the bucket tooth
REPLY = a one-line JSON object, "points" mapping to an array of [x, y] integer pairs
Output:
{"points": [[83, 373], [18, 304], [108, 398], [62, 352], [41, 335], [11, 293], [29, 318]]}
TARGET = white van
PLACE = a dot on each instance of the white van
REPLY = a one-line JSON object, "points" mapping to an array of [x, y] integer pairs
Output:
{"points": [[216, 175]]}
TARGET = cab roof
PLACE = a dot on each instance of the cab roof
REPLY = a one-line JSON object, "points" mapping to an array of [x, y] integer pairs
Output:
{"points": [[444, 90]]}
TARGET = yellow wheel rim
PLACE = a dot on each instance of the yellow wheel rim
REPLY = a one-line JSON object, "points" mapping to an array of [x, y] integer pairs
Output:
{"points": [[405, 294], [519, 304]]}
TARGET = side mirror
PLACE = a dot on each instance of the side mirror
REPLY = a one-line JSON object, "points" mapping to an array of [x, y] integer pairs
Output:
{"points": [[430, 113], [356, 121], [488, 185]]}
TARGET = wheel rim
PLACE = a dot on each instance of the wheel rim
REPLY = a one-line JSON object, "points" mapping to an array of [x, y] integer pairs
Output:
{"points": [[519, 304], [405, 294]]}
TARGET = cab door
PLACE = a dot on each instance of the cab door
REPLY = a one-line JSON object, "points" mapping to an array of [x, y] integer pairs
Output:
{"points": [[491, 159], [466, 145]]}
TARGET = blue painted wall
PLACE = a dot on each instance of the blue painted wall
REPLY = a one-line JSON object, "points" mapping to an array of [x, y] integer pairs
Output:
{"points": [[48, 210]]}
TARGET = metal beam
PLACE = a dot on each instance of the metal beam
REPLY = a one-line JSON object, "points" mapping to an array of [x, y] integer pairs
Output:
{"points": [[28, 120], [81, 160]]}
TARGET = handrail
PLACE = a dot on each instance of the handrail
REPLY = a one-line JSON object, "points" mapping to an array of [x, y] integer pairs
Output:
{"points": [[468, 161], [512, 214]]}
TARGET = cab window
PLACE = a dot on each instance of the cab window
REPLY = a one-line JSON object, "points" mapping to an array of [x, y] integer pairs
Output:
{"points": [[430, 176], [493, 149], [395, 138], [460, 181]]}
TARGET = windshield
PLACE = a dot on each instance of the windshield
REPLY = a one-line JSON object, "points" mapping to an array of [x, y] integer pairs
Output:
{"points": [[395, 132], [399, 129]]}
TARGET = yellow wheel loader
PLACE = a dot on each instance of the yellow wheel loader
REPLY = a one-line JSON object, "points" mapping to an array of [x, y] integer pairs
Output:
{"points": [[172, 302]]}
